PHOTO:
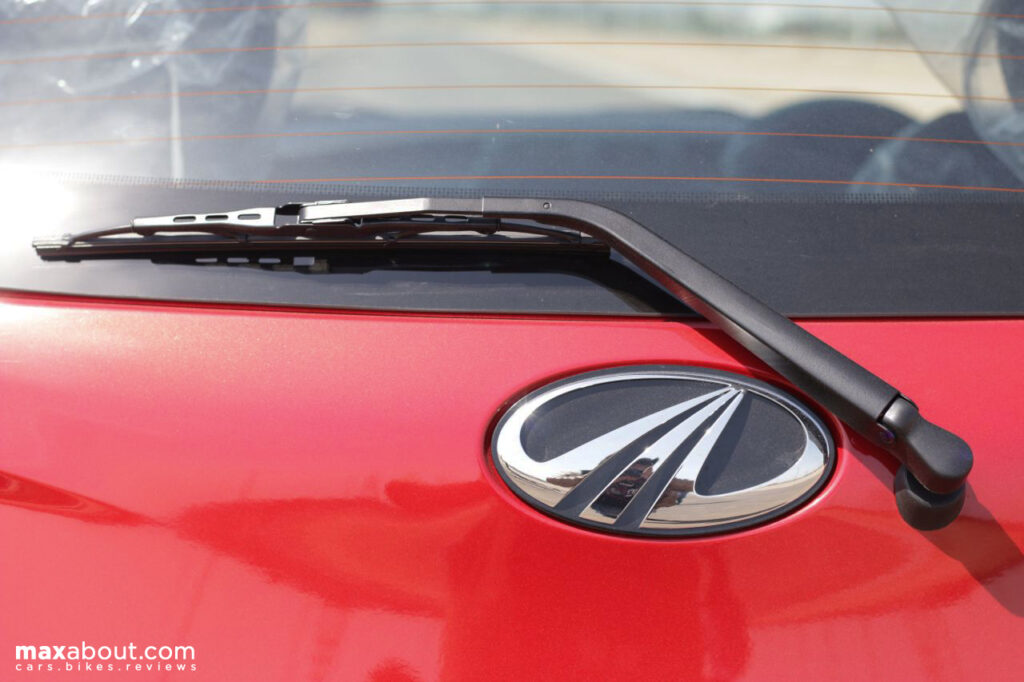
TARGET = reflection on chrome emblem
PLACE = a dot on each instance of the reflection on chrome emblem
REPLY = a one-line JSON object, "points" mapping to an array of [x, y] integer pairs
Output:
{"points": [[662, 450]]}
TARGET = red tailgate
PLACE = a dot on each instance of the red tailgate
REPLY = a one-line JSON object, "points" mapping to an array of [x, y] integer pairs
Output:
{"points": [[307, 495]]}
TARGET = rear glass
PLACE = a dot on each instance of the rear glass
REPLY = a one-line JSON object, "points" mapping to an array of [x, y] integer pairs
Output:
{"points": [[506, 96], [844, 157]]}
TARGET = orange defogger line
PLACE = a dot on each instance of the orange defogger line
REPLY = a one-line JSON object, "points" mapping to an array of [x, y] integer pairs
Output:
{"points": [[490, 86], [499, 131], [682, 44]]}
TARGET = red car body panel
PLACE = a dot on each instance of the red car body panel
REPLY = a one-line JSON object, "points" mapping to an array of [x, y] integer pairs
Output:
{"points": [[303, 494]]}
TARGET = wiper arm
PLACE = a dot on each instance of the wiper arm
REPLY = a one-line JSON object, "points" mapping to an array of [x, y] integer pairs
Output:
{"points": [[930, 486]]}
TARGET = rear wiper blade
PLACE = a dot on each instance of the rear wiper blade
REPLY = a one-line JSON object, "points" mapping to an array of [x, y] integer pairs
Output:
{"points": [[931, 483], [313, 226]]}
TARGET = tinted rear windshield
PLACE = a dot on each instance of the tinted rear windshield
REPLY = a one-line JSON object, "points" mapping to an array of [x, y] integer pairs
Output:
{"points": [[840, 112]]}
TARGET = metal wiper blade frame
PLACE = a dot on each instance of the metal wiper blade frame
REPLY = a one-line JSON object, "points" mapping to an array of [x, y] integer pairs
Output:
{"points": [[930, 487], [305, 227]]}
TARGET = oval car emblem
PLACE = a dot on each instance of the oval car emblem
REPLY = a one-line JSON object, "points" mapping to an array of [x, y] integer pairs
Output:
{"points": [[662, 450]]}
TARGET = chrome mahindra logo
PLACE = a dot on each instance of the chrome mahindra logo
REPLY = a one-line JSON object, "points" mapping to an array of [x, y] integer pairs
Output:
{"points": [[662, 450]]}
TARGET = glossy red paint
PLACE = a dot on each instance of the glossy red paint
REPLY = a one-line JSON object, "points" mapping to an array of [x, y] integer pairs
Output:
{"points": [[305, 495]]}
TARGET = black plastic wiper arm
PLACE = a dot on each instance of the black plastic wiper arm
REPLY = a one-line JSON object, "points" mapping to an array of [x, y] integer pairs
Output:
{"points": [[930, 486]]}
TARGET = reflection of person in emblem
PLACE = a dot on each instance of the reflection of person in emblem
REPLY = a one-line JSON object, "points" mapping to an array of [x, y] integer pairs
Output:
{"points": [[635, 476], [675, 492], [624, 488]]}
